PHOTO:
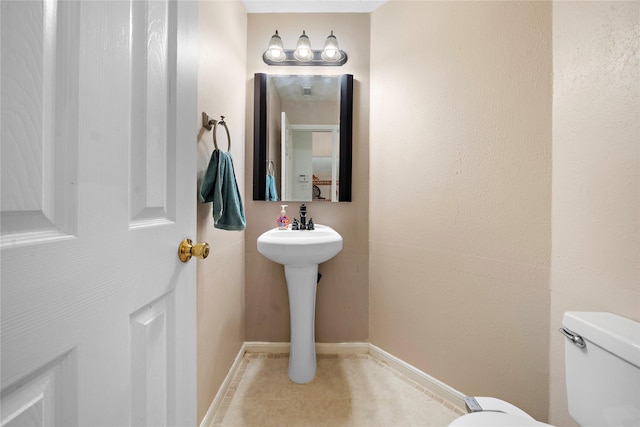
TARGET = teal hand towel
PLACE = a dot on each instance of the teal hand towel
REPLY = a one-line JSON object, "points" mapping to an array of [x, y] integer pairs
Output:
{"points": [[272, 193], [219, 186]]}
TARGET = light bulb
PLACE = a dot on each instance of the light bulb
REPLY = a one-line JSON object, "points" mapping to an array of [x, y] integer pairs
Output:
{"points": [[303, 51], [275, 53], [331, 51]]}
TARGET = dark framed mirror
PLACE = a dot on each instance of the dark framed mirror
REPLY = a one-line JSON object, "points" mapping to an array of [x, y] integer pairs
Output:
{"points": [[302, 137]]}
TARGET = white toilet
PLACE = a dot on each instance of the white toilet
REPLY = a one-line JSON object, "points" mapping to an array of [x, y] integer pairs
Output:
{"points": [[602, 362]]}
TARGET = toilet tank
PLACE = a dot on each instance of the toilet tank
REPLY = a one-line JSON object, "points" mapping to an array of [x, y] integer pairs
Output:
{"points": [[603, 377]]}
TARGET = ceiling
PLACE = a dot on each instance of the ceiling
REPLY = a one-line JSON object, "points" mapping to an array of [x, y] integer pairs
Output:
{"points": [[312, 6], [323, 88]]}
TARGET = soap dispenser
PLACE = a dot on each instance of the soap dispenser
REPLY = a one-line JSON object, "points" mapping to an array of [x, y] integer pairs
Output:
{"points": [[283, 219]]}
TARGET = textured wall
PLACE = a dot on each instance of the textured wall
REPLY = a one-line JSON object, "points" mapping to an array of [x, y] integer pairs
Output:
{"points": [[343, 294], [221, 91], [596, 170], [460, 194], [461, 212]]}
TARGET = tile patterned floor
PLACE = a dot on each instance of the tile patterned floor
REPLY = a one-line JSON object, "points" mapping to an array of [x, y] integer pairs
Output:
{"points": [[349, 390]]}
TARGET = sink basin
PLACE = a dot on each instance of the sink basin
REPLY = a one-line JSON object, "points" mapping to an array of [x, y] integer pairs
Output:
{"points": [[300, 247], [300, 251]]}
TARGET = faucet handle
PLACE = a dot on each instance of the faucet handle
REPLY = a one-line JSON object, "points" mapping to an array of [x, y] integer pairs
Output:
{"points": [[310, 225], [295, 225]]}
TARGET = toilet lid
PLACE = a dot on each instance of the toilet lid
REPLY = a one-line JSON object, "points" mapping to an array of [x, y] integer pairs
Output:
{"points": [[495, 419]]}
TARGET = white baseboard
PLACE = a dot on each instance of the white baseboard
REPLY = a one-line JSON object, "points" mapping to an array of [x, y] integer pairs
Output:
{"points": [[222, 391], [436, 387], [266, 347], [321, 348]]}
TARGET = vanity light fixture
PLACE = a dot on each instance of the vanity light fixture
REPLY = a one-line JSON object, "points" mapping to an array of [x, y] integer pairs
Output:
{"points": [[303, 54]]}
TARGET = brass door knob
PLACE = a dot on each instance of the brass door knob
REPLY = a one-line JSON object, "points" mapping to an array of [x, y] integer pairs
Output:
{"points": [[187, 249]]}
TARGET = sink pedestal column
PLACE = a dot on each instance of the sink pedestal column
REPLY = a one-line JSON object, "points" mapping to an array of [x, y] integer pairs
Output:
{"points": [[302, 282]]}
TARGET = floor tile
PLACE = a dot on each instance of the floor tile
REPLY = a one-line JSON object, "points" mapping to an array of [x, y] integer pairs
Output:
{"points": [[347, 391], [248, 412], [431, 413], [320, 413]]}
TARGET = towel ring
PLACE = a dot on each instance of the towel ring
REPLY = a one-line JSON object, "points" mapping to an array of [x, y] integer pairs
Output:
{"points": [[215, 140], [270, 167]]}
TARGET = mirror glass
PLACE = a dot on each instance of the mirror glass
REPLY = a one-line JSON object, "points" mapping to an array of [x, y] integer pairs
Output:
{"points": [[302, 137]]}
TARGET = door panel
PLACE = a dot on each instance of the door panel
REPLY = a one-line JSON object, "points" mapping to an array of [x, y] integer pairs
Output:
{"points": [[151, 332], [98, 121], [153, 114], [39, 91], [286, 174], [33, 403]]}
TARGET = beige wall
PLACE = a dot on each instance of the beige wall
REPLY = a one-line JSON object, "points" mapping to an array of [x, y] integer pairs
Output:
{"points": [[342, 298], [462, 213], [596, 154], [221, 91], [461, 193]]}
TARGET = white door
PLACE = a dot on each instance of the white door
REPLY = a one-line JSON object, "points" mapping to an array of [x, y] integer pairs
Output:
{"points": [[286, 149], [98, 149]]}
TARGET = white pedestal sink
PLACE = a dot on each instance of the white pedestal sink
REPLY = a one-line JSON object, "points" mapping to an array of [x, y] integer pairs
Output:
{"points": [[300, 251]]}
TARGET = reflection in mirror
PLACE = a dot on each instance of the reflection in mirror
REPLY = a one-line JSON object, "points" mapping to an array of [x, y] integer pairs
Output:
{"points": [[302, 137]]}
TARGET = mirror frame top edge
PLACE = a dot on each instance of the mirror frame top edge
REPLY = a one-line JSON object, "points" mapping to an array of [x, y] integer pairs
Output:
{"points": [[260, 135]]}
